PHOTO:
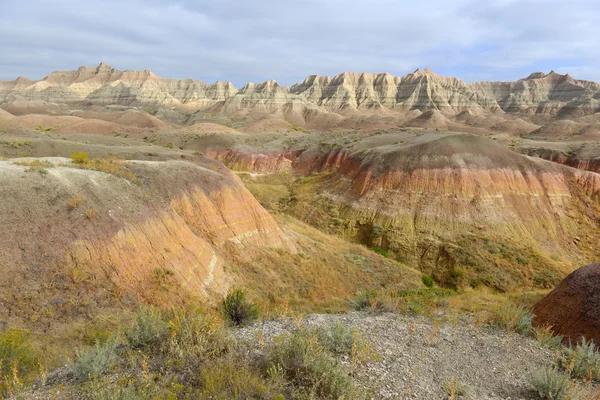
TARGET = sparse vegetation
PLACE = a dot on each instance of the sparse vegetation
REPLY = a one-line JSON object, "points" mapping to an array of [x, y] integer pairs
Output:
{"points": [[309, 368], [80, 158], [111, 166], [91, 213], [581, 362], [95, 361], [454, 389], [551, 384], [75, 202], [18, 358], [513, 318], [237, 309], [546, 337], [148, 328]]}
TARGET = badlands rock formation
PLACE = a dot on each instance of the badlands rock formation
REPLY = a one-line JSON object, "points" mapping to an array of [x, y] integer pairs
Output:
{"points": [[453, 203], [572, 308], [552, 93], [169, 223]]}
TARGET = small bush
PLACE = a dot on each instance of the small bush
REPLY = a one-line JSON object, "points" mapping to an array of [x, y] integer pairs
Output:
{"points": [[38, 169], [16, 352], [148, 329], [80, 158], [237, 309], [97, 360], [368, 299], [581, 362], [551, 384], [546, 338], [453, 388], [310, 369], [338, 339], [194, 337], [91, 213], [231, 379], [513, 318], [75, 202], [427, 281]]}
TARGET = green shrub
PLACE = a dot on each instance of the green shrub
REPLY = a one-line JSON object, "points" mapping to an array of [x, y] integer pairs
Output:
{"points": [[233, 379], [310, 369], [427, 281], [194, 337], [237, 309], [581, 362], [147, 329], [551, 384], [93, 362], [80, 158], [338, 338], [514, 318], [17, 354]]}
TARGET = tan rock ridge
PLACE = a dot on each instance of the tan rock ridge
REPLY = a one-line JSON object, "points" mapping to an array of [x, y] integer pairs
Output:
{"points": [[539, 93], [178, 224]]}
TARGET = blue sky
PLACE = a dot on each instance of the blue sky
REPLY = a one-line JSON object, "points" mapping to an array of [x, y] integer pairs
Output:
{"points": [[257, 40]]}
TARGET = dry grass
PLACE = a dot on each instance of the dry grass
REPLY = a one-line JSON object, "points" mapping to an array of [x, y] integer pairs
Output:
{"points": [[112, 166]]}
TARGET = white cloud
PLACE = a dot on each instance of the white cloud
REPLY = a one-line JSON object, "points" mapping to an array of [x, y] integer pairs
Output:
{"points": [[287, 40]]}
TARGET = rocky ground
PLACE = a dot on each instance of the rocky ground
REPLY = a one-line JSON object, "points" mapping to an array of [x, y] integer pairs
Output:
{"points": [[418, 358]]}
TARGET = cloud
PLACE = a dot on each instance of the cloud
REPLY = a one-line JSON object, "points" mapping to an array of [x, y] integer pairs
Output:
{"points": [[287, 40]]}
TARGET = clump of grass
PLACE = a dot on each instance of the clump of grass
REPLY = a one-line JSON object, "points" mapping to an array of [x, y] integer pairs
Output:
{"points": [[194, 337], [35, 163], [581, 362], [237, 309], [368, 299], [75, 202], [91, 213], [380, 251], [551, 384], [514, 318], [427, 281], [309, 368], [97, 360], [338, 339], [453, 388], [17, 358], [147, 329], [80, 157], [547, 338], [40, 170]]}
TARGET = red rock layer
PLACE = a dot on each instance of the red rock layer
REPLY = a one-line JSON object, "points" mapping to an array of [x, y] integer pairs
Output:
{"points": [[572, 309]]}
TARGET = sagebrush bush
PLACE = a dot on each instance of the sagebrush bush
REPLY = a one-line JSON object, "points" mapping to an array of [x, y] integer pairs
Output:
{"points": [[148, 328], [195, 337], [581, 362], [514, 318], [551, 384], [310, 369], [338, 338], [80, 157], [237, 309], [229, 378], [97, 360]]}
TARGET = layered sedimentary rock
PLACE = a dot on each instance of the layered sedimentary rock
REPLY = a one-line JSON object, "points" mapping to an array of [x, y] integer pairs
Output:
{"points": [[175, 224], [571, 310], [442, 200], [347, 92]]}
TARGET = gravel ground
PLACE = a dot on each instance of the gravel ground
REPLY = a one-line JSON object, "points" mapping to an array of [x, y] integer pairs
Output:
{"points": [[418, 357]]}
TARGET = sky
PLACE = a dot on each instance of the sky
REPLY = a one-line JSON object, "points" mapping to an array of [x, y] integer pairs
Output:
{"points": [[286, 40]]}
